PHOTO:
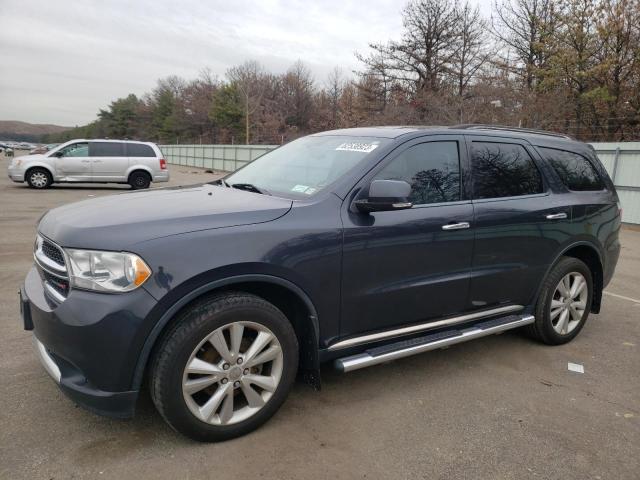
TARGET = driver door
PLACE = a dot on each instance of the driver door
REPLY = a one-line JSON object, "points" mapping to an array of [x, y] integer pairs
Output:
{"points": [[407, 266], [73, 163]]}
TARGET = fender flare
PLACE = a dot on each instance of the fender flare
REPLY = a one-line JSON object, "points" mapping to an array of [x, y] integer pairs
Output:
{"points": [[166, 317], [564, 250]]}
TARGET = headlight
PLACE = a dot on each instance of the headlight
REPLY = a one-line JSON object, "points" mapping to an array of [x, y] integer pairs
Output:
{"points": [[106, 271]]}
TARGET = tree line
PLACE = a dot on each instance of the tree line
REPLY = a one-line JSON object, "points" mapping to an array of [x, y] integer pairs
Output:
{"points": [[570, 66]]}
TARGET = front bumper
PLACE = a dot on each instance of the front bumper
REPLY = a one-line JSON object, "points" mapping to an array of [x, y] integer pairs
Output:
{"points": [[89, 343], [16, 174]]}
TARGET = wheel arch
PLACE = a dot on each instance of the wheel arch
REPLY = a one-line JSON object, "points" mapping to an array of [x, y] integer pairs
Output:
{"points": [[40, 166], [139, 168], [288, 297], [592, 257]]}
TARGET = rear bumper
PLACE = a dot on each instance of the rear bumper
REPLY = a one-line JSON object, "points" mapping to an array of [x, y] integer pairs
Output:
{"points": [[162, 176], [89, 343]]}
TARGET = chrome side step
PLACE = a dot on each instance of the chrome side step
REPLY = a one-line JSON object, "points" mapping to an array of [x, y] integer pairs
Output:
{"points": [[406, 348]]}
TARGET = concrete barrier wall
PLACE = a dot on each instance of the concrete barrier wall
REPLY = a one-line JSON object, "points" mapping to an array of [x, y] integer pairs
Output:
{"points": [[227, 158]]}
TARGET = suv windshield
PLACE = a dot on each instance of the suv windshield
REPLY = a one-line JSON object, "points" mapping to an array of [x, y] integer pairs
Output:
{"points": [[305, 166]]}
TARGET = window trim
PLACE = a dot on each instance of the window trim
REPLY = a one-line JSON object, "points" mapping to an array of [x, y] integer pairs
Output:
{"points": [[421, 141], [564, 185], [507, 141]]}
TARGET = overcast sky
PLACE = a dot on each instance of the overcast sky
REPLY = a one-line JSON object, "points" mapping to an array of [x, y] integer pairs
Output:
{"points": [[62, 60]]}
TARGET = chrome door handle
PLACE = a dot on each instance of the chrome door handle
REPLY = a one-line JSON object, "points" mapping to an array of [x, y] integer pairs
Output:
{"points": [[556, 216], [456, 226]]}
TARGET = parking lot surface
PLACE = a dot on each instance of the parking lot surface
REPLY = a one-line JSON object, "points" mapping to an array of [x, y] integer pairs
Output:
{"points": [[498, 407]]}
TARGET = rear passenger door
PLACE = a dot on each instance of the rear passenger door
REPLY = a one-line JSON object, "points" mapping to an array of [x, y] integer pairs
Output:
{"points": [[518, 225], [109, 161]]}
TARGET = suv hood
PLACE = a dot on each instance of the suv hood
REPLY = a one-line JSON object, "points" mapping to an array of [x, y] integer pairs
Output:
{"points": [[116, 221]]}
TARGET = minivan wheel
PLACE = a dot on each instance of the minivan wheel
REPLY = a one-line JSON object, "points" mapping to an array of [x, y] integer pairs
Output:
{"points": [[139, 180], [39, 178], [564, 303], [225, 368]]}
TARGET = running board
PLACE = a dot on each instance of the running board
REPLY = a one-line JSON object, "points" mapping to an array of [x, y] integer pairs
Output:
{"points": [[406, 348]]}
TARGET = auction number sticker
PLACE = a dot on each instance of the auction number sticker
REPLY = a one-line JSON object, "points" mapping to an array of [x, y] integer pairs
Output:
{"points": [[357, 147]]}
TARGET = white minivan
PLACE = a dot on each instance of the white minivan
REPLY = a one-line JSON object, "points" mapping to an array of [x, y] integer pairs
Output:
{"points": [[102, 161]]}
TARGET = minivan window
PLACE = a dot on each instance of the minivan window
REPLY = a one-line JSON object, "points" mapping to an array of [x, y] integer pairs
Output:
{"points": [[575, 171], [139, 150], [75, 150], [432, 169], [503, 170], [106, 149]]}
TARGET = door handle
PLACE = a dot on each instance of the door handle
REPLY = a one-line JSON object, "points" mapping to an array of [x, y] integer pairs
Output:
{"points": [[456, 226], [556, 216], [85, 161]]}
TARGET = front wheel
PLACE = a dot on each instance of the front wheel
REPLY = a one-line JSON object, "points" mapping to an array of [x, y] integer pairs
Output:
{"points": [[225, 368], [564, 302], [39, 178]]}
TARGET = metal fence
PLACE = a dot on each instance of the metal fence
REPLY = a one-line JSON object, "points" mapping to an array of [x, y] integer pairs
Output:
{"points": [[622, 161], [227, 158]]}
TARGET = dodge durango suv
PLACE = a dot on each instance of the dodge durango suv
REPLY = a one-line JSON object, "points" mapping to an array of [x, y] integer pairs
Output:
{"points": [[103, 161], [354, 246]]}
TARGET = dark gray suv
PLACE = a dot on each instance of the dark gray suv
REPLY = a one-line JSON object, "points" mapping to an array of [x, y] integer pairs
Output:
{"points": [[355, 246]]}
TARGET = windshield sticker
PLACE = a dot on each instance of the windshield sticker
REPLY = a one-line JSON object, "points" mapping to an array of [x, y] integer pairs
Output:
{"points": [[300, 188], [357, 147]]}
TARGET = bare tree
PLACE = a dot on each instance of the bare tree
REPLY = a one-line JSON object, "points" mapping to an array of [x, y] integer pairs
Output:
{"points": [[335, 85], [247, 78]]}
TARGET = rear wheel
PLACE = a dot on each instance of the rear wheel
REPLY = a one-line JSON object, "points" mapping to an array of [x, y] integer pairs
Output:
{"points": [[39, 178], [564, 302], [225, 368], [139, 180]]}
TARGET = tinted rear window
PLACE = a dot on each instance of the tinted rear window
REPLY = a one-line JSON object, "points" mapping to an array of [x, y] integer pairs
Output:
{"points": [[106, 149], [575, 171], [503, 170], [139, 150]]}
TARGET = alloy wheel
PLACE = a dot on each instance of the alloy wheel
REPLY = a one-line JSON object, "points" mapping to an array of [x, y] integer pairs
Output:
{"points": [[232, 373], [569, 303]]}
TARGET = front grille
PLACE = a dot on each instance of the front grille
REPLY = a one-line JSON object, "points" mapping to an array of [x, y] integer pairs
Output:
{"points": [[60, 285], [52, 252]]}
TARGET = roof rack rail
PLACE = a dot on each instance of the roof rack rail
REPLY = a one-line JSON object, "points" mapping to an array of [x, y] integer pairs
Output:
{"points": [[480, 126]]}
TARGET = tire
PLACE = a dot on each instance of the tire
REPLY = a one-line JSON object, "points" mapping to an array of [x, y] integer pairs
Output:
{"points": [[39, 178], [190, 412], [547, 327], [139, 180]]}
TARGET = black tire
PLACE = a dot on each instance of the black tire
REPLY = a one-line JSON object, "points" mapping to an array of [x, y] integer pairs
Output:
{"points": [[39, 178], [192, 326], [139, 180], [542, 329]]}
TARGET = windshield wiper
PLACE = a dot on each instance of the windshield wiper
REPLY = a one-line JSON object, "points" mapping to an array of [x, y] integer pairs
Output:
{"points": [[249, 187]]}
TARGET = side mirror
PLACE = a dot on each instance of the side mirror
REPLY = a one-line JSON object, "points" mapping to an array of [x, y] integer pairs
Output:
{"points": [[386, 195], [58, 154]]}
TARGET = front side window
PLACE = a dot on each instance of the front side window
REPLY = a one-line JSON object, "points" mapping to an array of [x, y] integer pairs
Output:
{"points": [[503, 170], [75, 150], [432, 169], [575, 171], [107, 149], [307, 165]]}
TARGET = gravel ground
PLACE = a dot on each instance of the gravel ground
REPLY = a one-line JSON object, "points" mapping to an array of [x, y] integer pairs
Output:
{"points": [[498, 407]]}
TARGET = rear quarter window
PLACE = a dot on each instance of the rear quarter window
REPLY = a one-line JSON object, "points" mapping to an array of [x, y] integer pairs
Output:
{"points": [[106, 149], [139, 150], [576, 172]]}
